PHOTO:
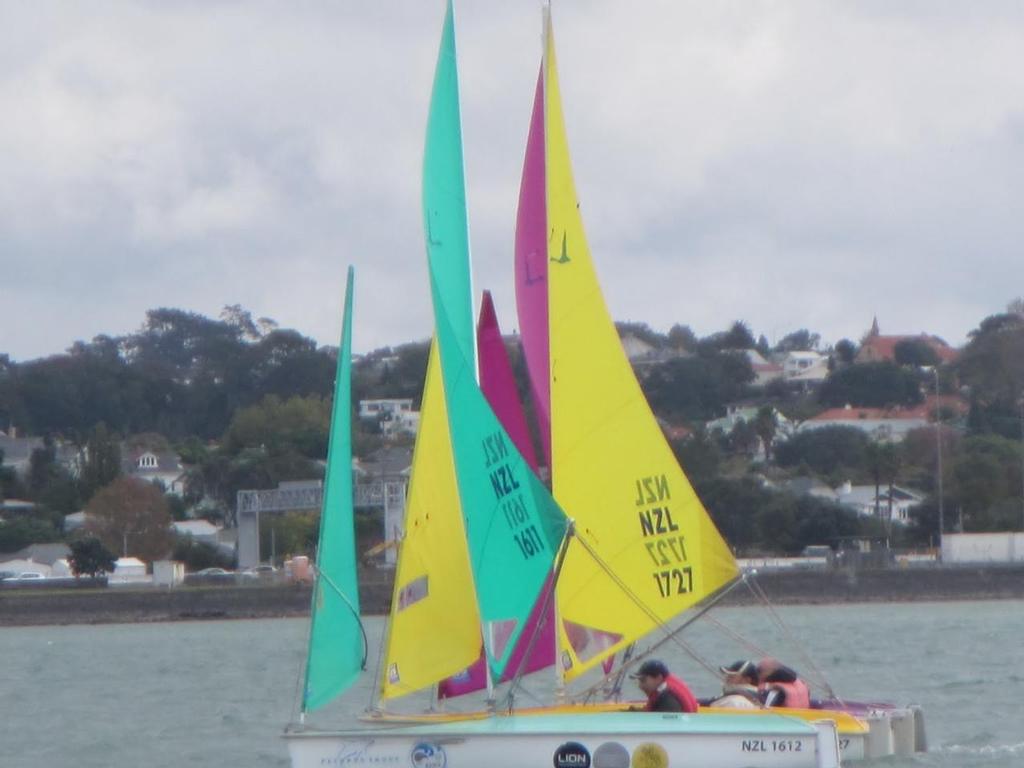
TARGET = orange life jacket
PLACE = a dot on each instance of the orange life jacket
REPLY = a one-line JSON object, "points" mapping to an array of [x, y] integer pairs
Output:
{"points": [[680, 690]]}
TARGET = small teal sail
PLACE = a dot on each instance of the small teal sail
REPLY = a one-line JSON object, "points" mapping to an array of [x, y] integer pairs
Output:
{"points": [[336, 641], [513, 526]]}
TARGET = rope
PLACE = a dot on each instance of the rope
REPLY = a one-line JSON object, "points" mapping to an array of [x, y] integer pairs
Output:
{"points": [[820, 680]]}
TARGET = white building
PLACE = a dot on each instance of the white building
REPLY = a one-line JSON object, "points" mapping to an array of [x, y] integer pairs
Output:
{"points": [[395, 415], [863, 500], [889, 425], [163, 468], [765, 371]]}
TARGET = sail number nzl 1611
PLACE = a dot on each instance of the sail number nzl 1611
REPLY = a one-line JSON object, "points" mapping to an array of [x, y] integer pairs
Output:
{"points": [[508, 493]]}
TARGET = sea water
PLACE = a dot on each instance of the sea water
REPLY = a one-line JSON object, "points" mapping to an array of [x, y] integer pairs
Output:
{"points": [[219, 693]]}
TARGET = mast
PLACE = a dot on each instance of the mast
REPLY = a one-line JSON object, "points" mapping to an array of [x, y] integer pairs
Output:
{"points": [[555, 613]]}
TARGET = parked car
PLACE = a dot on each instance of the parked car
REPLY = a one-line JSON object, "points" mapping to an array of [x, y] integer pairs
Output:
{"points": [[211, 576], [266, 572], [26, 576], [213, 572]]}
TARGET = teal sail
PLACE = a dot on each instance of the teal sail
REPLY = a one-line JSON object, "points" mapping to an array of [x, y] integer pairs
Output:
{"points": [[337, 649], [513, 526]]}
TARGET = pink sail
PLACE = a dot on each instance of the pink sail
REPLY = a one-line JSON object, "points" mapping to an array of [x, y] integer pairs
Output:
{"points": [[531, 269], [499, 387], [498, 382]]}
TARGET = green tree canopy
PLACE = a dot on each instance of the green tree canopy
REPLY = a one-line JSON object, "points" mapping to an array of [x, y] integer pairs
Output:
{"points": [[798, 341], [90, 558], [697, 388], [829, 451], [875, 385], [915, 352]]}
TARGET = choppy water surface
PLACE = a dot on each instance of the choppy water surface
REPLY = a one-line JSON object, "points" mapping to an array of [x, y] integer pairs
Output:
{"points": [[219, 693]]}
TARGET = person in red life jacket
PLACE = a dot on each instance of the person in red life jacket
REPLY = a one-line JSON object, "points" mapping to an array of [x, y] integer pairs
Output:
{"points": [[665, 692], [781, 686]]}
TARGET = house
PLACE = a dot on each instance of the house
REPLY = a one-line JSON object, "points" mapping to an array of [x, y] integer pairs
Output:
{"points": [[747, 412], [765, 371], [161, 467], [876, 348], [75, 520], [201, 530], [17, 565], [804, 367], [395, 415], [861, 499], [889, 425], [17, 453], [47, 554], [866, 503], [128, 570]]}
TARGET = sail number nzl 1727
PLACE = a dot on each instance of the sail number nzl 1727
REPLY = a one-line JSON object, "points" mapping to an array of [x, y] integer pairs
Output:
{"points": [[665, 544]]}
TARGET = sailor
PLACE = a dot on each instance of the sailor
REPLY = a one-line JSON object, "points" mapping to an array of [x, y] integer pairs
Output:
{"points": [[665, 692], [739, 686], [781, 686]]}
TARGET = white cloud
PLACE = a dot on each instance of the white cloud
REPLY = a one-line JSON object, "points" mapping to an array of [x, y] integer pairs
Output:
{"points": [[793, 165]]}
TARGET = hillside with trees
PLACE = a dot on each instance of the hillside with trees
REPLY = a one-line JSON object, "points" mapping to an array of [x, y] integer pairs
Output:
{"points": [[246, 404]]}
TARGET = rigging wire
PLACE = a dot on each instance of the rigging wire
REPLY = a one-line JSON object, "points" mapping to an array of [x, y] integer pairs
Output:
{"points": [[821, 681], [670, 634], [570, 532]]}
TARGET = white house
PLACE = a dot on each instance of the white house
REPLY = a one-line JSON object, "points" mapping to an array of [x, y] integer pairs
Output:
{"points": [[395, 415], [804, 366], [862, 499], [889, 425], [765, 371], [164, 468]]}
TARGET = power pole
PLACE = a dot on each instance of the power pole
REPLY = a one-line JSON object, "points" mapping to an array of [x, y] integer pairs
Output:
{"points": [[938, 454]]}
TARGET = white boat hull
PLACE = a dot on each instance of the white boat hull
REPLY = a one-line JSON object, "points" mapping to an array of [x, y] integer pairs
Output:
{"points": [[632, 740]]}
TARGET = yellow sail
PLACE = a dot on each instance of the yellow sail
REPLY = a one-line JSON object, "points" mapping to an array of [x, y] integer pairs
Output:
{"points": [[653, 550], [434, 629]]}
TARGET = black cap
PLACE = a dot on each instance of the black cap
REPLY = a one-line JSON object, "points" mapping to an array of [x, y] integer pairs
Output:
{"points": [[746, 669], [651, 668]]}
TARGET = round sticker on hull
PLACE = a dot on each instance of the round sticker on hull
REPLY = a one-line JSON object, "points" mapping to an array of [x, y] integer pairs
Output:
{"points": [[611, 754], [572, 754], [650, 755]]}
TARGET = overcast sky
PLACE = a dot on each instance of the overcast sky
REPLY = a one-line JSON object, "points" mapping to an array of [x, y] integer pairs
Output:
{"points": [[790, 164]]}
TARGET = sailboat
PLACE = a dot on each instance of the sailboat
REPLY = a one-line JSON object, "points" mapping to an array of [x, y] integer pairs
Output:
{"points": [[602, 440], [518, 540]]}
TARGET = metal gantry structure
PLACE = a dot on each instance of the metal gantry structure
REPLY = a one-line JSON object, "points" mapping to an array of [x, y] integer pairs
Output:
{"points": [[387, 492]]}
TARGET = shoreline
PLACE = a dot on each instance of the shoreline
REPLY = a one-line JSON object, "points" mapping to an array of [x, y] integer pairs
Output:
{"points": [[125, 605]]}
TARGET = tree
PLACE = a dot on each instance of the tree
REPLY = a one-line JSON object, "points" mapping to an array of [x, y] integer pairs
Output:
{"points": [[876, 385], [742, 438], [681, 337], [102, 460], [90, 558], [130, 516], [916, 353], [699, 455], [766, 425], [19, 533], [992, 365], [798, 341], [828, 451], [697, 387], [846, 351]]}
